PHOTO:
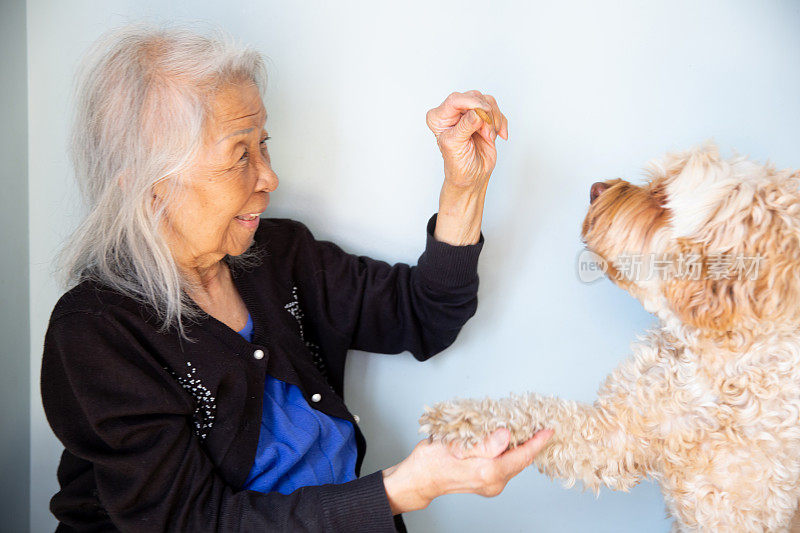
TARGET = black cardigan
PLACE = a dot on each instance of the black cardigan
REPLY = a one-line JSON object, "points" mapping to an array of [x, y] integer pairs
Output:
{"points": [[160, 433]]}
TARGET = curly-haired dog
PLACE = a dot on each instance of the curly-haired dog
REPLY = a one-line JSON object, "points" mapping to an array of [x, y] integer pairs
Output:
{"points": [[708, 404]]}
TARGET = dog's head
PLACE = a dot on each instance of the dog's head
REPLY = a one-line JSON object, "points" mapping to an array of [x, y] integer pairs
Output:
{"points": [[712, 242]]}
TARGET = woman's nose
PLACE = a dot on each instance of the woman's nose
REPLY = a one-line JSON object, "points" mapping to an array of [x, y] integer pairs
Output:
{"points": [[596, 190], [267, 179]]}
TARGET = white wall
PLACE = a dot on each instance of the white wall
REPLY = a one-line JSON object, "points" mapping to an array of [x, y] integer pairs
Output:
{"points": [[592, 90], [15, 410]]}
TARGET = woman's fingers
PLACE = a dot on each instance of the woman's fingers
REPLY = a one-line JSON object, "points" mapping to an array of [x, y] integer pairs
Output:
{"points": [[492, 446], [500, 122], [517, 459], [434, 469], [460, 102], [450, 112], [497, 117], [469, 124], [494, 473]]}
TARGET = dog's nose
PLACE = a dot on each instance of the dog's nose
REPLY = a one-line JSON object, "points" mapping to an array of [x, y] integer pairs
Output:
{"points": [[596, 190]]}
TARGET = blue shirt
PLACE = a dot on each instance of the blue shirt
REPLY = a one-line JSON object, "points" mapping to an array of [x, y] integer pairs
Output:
{"points": [[298, 445]]}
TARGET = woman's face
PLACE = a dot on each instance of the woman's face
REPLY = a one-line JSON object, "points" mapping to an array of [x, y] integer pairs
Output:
{"points": [[229, 181]]}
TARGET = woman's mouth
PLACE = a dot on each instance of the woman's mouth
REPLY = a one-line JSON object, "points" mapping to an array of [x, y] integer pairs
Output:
{"points": [[250, 220]]}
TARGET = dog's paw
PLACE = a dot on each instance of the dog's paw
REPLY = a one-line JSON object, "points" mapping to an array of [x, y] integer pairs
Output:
{"points": [[469, 422], [462, 422]]}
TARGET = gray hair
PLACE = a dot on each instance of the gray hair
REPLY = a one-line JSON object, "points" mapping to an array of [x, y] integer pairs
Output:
{"points": [[142, 97]]}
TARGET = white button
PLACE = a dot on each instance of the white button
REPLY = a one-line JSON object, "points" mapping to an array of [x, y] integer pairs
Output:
{"points": [[315, 398], [258, 354], [355, 417]]}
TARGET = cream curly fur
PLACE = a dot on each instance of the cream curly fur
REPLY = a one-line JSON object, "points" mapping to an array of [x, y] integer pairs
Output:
{"points": [[708, 404]]}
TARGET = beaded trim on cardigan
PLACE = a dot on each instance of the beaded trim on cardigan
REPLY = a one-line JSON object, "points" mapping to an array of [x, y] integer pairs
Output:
{"points": [[294, 309], [205, 406]]}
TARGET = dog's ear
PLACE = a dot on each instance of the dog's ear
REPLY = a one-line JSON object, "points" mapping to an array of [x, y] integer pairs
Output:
{"points": [[701, 189], [741, 221], [747, 273], [709, 304]]}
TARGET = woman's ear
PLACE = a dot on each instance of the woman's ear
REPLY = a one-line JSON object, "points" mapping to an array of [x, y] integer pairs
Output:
{"points": [[158, 192]]}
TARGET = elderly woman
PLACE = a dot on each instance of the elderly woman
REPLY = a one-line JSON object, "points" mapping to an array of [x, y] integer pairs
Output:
{"points": [[194, 368]]}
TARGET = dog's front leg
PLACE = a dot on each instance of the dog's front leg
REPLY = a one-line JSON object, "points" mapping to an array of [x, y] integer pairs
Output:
{"points": [[591, 443]]}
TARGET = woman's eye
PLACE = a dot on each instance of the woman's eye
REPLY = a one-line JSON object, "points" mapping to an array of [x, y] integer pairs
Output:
{"points": [[263, 143]]}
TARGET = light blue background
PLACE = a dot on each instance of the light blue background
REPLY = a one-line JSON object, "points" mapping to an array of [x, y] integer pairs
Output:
{"points": [[592, 90]]}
